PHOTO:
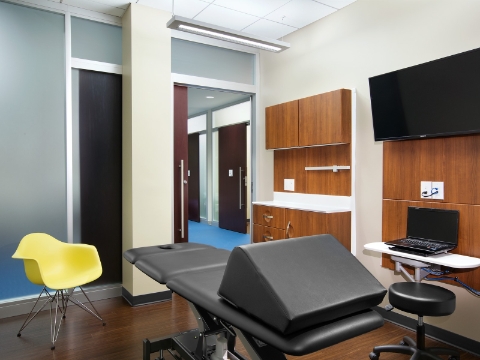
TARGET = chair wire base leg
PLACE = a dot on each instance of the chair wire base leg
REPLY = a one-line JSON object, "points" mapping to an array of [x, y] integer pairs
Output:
{"points": [[56, 321], [82, 305], [30, 318]]}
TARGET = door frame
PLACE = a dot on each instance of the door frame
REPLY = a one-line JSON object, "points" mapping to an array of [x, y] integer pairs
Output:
{"points": [[208, 83]]}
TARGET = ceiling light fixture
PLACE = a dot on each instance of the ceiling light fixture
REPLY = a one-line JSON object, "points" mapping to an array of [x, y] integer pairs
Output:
{"points": [[210, 97], [221, 33]]}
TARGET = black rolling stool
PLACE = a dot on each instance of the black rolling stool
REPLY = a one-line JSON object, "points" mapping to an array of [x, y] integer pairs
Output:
{"points": [[423, 300]]}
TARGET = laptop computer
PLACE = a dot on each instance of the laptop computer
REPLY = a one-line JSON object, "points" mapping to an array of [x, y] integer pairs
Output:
{"points": [[429, 232]]}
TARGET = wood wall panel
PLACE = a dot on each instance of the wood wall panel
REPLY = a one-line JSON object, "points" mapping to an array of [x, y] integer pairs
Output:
{"points": [[395, 226], [325, 118], [328, 182], [281, 125], [290, 164], [453, 160]]}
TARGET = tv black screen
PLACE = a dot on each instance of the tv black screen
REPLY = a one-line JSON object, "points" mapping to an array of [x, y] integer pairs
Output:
{"points": [[438, 98]]}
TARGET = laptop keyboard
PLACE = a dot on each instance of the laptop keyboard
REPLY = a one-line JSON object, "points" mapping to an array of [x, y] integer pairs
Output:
{"points": [[425, 244]]}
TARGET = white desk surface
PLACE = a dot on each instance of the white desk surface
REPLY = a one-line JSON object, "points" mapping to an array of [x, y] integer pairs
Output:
{"points": [[302, 206], [448, 259]]}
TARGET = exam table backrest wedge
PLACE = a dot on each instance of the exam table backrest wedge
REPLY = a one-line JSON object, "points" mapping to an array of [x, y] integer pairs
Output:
{"points": [[294, 284]]}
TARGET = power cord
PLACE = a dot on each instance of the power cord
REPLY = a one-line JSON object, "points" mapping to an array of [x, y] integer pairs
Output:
{"points": [[443, 278], [434, 192]]}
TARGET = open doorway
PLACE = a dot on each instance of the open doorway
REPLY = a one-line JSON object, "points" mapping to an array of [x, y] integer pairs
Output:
{"points": [[219, 167]]}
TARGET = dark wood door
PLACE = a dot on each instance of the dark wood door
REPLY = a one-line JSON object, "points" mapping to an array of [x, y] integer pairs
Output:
{"points": [[100, 137], [180, 163], [232, 173], [194, 177]]}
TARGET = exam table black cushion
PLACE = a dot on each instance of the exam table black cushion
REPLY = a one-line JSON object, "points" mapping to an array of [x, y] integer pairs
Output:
{"points": [[201, 288], [133, 255], [163, 267], [297, 283]]}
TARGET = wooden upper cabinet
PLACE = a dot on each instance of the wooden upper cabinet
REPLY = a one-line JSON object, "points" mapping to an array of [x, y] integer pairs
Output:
{"points": [[281, 125], [325, 118]]}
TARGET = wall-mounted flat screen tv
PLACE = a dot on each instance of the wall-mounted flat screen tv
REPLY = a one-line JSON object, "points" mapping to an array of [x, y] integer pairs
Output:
{"points": [[438, 98]]}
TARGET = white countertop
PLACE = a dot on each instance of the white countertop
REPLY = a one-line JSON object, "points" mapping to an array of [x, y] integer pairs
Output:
{"points": [[448, 259], [302, 206]]}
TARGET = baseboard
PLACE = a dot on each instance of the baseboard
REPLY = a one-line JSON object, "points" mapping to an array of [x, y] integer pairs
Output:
{"points": [[433, 332], [23, 306], [147, 298]]}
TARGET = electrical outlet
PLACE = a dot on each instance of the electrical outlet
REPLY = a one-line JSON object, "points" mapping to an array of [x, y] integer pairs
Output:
{"points": [[289, 184], [425, 189], [437, 190]]}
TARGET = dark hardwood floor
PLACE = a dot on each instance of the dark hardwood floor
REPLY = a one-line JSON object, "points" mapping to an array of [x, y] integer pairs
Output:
{"points": [[84, 337]]}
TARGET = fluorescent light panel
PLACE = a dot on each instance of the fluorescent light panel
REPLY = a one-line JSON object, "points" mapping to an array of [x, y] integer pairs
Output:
{"points": [[221, 33]]}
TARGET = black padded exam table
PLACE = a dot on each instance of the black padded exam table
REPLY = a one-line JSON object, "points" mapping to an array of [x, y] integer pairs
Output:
{"points": [[292, 296]]}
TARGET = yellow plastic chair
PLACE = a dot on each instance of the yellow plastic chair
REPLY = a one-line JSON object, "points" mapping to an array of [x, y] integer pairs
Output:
{"points": [[61, 267]]}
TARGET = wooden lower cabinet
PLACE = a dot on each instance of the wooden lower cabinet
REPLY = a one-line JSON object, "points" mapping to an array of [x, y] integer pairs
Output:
{"points": [[265, 233], [269, 216], [299, 223], [292, 223]]}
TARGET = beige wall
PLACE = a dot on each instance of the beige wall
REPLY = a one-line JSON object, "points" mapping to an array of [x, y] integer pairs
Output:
{"points": [[343, 50], [147, 145]]}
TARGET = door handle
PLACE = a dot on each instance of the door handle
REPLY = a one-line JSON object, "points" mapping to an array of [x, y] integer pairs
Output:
{"points": [[286, 232], [240, 187], [182, 196], [268, 216], [268, 238]]}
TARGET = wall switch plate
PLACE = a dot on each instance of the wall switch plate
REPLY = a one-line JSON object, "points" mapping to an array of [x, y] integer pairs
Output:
{"points": [[289, 184], [230, 172], [437, 187], [425, 189]]}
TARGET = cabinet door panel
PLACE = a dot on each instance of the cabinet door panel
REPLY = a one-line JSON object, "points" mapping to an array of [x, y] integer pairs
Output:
{"points": [[258, 211], [336, 224], [299, 223], [269, 216], [257, 233], [265, 233], [281, 125], [325, 118]]}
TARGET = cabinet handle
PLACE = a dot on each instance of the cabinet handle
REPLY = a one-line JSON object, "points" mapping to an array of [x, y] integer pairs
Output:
{"points": [[267, 216], [268, 238], [286, 231]]}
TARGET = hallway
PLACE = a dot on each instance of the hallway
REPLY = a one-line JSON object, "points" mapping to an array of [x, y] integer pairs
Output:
{"points": [[214, 236]]}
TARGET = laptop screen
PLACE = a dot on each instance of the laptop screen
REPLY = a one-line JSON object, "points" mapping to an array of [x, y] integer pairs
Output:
{"points": [[433, 224]]}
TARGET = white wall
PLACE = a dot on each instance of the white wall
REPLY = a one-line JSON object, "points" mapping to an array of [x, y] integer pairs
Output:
{"points": [[147, 138], [367, 38]]}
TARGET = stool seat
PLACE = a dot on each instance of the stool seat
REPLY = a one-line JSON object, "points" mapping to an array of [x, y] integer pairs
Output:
{"points": [[422, 299]]}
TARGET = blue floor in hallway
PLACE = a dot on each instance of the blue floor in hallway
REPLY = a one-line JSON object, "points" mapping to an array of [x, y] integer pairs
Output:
{"points": [[214, 236]]}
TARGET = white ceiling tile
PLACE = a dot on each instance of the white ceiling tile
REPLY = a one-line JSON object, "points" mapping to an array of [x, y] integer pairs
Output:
{"points": [[185, 8], [253, 7], [221, 16], [300, 13], [337, 4], [165, 5], [269, 29], [95, 6], [189, 8], [122, 4]]}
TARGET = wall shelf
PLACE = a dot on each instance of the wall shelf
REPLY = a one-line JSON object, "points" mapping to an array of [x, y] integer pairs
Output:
{"points": [[334, 168]]}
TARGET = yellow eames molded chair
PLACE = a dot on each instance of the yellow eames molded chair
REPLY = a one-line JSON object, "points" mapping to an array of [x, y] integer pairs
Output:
{"points": [[58, 266]]}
